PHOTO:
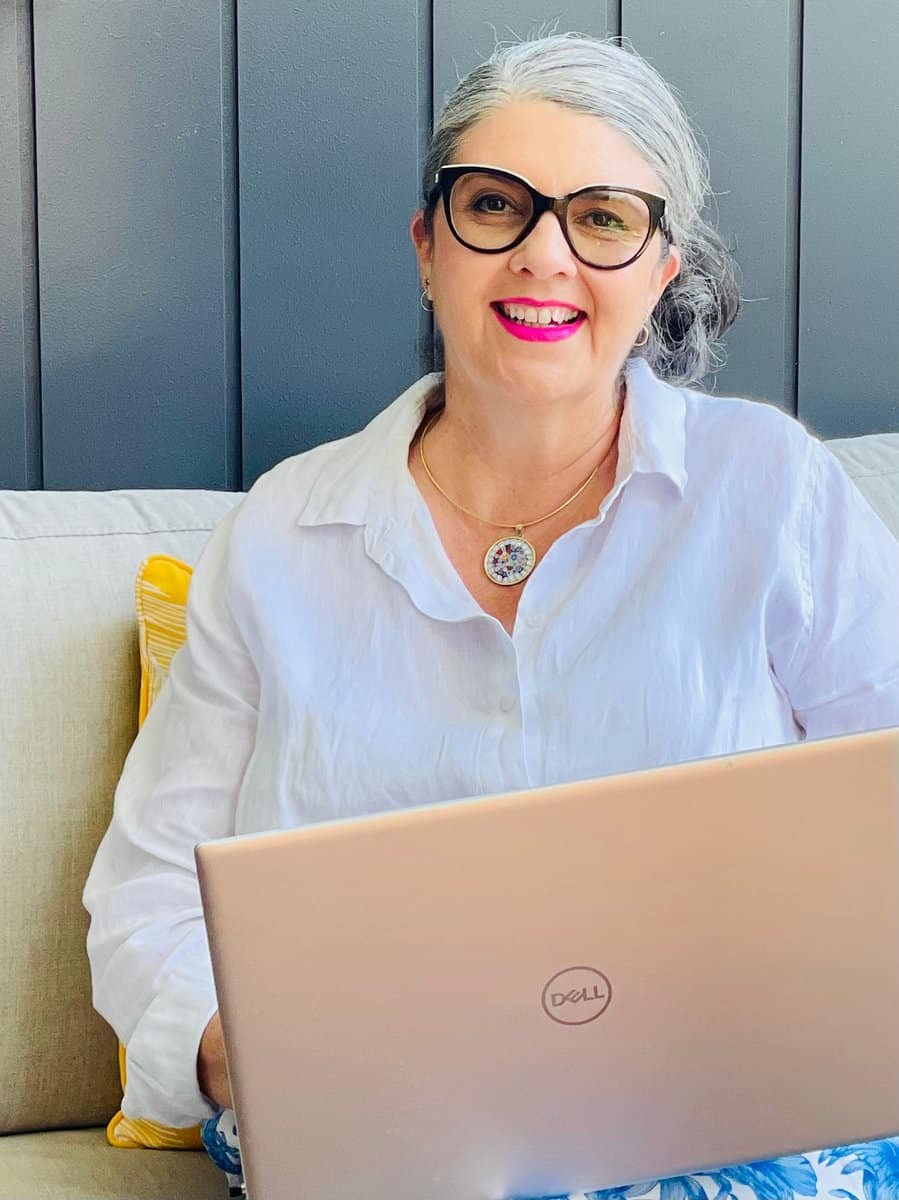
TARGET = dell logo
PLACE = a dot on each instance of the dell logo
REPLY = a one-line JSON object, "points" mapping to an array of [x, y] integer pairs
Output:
{"points": [[577, 995]]}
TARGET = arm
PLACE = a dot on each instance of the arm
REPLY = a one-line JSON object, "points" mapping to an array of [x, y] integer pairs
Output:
{"points": [[149, 957], [841, 671], [212, 1071]]}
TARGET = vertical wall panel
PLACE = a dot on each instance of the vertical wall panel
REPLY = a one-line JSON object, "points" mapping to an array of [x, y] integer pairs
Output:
{"points": [[849, 364], [735, 66], [331, 110], [134, 243], [20, 465]]}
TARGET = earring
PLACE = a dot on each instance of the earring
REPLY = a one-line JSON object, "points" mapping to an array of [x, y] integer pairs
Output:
{"points": [[424, 292], [645, 332]]}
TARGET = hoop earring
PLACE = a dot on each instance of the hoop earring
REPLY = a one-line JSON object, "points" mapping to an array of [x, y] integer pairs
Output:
{"points": [[645, 332], [421, 298]]}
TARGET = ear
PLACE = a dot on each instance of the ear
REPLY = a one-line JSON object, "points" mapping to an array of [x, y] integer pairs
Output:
{"points": [[667, 269], [422, 242]]}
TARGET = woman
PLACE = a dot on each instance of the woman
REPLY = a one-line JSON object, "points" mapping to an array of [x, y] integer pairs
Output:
{"points": [[554, 561]]}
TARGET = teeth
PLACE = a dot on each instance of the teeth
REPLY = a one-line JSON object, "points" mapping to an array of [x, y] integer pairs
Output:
{"points": [[538, 316]]}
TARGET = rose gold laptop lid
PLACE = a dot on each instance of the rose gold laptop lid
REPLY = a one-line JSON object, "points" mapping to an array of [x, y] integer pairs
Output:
{"points": [[569, 988]]}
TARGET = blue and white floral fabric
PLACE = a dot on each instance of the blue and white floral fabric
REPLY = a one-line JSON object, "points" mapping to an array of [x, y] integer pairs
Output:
{"points": [[219, 1136], [865, 1171]]}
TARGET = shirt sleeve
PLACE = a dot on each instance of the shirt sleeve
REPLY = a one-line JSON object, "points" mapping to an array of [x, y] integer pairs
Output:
{"points": [[147, 945], [843, 670]]}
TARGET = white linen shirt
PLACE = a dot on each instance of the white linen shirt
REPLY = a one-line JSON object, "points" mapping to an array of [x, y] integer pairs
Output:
{"points": [[734, 591]]}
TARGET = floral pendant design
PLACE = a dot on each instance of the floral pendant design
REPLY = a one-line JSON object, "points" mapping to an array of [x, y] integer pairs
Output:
{"points": [[510, 560]]}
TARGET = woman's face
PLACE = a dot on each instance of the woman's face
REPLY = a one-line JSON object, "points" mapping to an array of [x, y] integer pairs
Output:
{"points": [[559, 151]]}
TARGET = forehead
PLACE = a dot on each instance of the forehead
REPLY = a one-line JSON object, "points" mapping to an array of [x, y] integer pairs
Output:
{"points": [[557, 149]]}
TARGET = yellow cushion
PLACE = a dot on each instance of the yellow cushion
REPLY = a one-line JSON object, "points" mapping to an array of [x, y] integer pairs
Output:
{"points": [[161, 598]]}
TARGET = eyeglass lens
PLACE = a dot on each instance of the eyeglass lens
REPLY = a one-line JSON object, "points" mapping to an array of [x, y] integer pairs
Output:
{"points": [[607, 228]]}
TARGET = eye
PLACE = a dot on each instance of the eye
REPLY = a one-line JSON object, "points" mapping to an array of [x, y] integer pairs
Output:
{"points": [[492, 202], [601, 218]]}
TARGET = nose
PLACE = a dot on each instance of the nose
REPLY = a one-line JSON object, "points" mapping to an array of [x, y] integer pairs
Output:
{"points": [[545, 252]]}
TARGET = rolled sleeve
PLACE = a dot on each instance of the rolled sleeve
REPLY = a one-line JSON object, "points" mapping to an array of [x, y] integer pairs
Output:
{"points": [[844, 673], [147, 945]]}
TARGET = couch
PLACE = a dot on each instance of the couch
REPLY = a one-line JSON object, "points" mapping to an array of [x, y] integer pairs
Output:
{"points": [[69, 681]]}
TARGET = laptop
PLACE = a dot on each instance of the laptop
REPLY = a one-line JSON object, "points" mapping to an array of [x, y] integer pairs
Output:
{"points": [[568, 988]]}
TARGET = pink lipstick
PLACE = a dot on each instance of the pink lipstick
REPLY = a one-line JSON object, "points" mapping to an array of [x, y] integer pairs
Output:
{"points": [[543, 333]]}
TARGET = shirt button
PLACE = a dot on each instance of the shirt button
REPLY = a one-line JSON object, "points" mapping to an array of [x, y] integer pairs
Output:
{"points": [[507, 703], [532, 622]]}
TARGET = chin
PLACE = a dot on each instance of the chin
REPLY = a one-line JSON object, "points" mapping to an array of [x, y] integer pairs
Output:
{"points": [[543, 381]]}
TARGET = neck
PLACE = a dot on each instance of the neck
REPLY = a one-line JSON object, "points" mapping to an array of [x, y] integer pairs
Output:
{"points": [[515, 461]]}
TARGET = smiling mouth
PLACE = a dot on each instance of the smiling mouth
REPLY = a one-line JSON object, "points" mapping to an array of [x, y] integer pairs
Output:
{"points": [[573, 317]]}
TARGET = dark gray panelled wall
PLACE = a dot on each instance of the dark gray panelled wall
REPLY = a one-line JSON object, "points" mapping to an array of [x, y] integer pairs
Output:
{"points": [[849, 262], [205, 263], [135, 135], [334, 115]]}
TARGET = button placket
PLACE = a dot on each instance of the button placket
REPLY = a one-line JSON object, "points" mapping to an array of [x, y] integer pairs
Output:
{"points": [[502, 759], [510, 758]]}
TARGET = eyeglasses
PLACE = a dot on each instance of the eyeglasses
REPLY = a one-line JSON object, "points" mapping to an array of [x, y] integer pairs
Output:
{"points": [[491, 210]]}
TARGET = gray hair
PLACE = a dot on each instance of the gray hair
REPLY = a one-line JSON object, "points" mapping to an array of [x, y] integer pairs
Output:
{"points": [[609, 80]]}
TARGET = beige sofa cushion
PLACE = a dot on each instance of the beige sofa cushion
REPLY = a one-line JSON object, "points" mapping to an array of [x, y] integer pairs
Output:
{"points": [[873, 462], [80, 1165], [68, 714]]}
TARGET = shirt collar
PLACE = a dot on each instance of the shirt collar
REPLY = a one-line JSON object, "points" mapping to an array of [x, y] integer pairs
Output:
{"points": [[652, 438], [364, 479]]}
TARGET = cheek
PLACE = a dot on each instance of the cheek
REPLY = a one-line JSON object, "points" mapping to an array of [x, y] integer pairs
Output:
{"points": [[465, 293], [619, 302], [464, 315]]}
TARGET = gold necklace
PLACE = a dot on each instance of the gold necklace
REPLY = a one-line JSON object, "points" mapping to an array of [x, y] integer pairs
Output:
{"points": [[509, 560]]}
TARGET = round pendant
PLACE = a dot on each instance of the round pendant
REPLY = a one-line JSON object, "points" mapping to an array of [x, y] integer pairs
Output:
{"points": [[510, 560]]}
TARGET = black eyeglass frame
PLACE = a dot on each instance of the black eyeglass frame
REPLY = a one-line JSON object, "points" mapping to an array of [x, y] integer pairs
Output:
{"points": [[447, 175]]}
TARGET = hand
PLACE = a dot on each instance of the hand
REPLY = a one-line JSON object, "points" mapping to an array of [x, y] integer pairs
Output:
{"points": [[212, 1073]]}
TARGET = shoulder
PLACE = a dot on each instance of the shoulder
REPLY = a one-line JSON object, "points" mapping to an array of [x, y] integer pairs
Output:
{"points": [[751, 445], [720, 435], [748, 464], [745, 425], [283, 491], [334, 481]]}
